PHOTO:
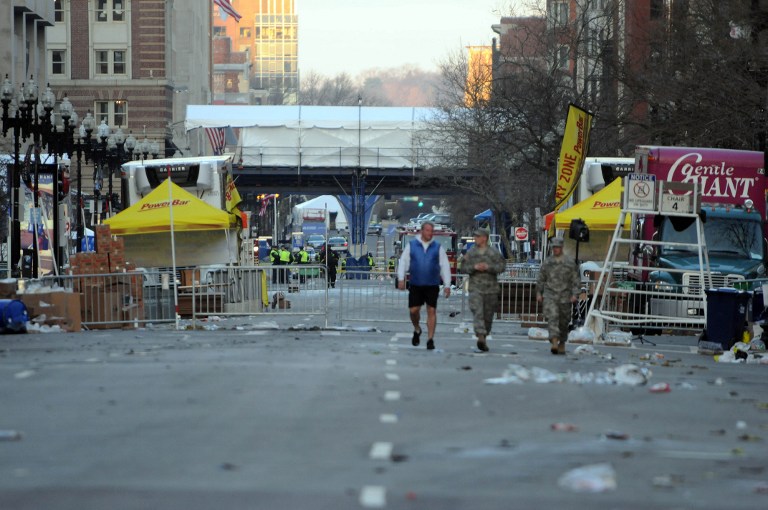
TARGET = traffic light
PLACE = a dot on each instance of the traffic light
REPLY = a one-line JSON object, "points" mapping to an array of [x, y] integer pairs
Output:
{"points": [[421, 203]]}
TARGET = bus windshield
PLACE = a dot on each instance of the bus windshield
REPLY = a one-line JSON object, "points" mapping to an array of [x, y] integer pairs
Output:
{"points": [[724, 236]]}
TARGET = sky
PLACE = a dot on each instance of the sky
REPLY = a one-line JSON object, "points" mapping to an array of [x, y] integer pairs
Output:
{"points": [[351, 36]]}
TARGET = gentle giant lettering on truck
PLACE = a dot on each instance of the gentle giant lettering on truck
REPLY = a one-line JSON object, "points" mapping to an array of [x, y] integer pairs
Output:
{"points": [[716, 180]]}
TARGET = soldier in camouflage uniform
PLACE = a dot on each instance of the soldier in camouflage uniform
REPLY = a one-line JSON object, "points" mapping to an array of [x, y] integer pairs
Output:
{"points": [[558, 287], [483, 264]]}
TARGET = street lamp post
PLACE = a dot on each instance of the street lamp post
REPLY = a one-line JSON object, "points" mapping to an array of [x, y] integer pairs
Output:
{"points": [[28, 116]]}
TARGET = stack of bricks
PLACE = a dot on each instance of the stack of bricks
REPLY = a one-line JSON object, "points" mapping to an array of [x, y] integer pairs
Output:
{"points": [[111, 290]]}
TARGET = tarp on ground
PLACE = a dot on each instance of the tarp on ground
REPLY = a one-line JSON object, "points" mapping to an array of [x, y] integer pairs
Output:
{"points": [[151, 214], [600, 211]]}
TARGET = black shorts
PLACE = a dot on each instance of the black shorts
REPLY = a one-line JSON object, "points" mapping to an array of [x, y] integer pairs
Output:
{"points": [[420, 294]]}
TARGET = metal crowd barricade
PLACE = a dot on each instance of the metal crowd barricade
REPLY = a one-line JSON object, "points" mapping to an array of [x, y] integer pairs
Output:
{"points": [[257, 290], [372, 296], [517, 301], [120, 299]]}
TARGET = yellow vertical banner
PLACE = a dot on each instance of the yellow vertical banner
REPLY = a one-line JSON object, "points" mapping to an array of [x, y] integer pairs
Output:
{"points": [[573, 151]]}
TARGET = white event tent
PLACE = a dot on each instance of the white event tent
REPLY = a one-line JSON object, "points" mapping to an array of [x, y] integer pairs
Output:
{"points": [[323, 202]]}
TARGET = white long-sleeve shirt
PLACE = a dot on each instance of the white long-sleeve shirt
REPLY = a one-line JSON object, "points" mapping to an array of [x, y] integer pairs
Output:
{"points": [[405, 261]]}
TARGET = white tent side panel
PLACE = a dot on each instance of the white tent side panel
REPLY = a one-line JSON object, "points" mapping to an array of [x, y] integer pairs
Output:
{"points": [[320, 136], [206, 247]]}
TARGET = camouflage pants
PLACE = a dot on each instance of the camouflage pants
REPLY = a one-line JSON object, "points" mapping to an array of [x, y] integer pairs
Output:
{"points": [[558, 317], [483, 308]]}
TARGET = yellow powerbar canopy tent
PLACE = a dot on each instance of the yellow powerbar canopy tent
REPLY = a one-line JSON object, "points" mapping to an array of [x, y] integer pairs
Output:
{"points": [[600, 211], [151, 213]]}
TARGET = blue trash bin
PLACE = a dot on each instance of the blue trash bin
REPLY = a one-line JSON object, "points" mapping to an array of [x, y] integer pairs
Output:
{"points": [[726, 315]]}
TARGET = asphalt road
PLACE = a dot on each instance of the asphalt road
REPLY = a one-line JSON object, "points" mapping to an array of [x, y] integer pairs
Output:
{"points": [[358, 418]]}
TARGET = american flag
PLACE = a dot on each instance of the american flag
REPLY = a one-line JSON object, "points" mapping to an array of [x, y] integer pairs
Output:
{"points": [[218, 140], [264, 203], [225, 6]]}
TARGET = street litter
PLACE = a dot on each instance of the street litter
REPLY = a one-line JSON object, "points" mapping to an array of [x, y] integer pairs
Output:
{"points": [[616, 338], [591, 478], [564, 427], [10, 435], [624, 374], [742, 352], [660, 388], [581, 335], [538, 334]]}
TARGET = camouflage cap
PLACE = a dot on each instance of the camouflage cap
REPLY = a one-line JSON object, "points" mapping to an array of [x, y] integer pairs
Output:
{"points": [[481, 232], [558, 241]]}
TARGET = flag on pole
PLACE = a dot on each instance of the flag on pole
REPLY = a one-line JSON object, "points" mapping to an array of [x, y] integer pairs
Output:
{"points": [[264, 203], [226, 7], [217, 138]]}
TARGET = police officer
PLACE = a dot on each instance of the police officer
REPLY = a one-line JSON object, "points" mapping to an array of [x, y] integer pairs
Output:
{"points": [[392, 265], [302, 257], [285, 259], [558, 287], [274, 259], [371, 262], [483, 264], [343, 265], [331, 260]]}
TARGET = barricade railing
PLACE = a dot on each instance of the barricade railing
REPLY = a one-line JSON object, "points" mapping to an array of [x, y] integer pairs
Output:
{"points": [[295, 289], [629, 304], [366, 296], [141, 297], [118, 299], [518, 302]]}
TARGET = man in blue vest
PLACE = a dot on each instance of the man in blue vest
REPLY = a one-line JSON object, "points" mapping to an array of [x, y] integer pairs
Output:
{"points": [[427, 263]]}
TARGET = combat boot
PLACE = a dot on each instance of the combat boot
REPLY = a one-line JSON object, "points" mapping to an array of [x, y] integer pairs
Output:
{"points": [[481, 343], [555, 345], [561, 347]]}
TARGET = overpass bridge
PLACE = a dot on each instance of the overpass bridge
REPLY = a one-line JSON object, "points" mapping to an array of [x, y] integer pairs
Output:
{"points": [[356, 153]]}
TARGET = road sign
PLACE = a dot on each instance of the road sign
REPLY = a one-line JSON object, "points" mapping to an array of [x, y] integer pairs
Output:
{"points": [[640, 191], [521, 234]]}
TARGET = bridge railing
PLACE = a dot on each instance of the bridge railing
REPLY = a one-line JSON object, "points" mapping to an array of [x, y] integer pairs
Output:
{"points": [[344, 157]]}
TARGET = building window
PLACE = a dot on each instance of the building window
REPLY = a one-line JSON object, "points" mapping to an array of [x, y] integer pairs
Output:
{"points": [[220, 31], [110, 62], [115, 113], [58, 62], [560, 13], [109, 10], [245, 32], [562, 57], [58, 12]]}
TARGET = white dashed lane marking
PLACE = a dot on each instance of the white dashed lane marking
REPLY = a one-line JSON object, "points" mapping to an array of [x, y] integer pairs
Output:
{"points": [[373, 496], [391, 362], [392, 377], [388, 418], [391, 395], [381, 451]]}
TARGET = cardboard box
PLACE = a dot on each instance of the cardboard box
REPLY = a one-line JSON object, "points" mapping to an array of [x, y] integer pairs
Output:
{"points": [[8, 288], [60, 308]]}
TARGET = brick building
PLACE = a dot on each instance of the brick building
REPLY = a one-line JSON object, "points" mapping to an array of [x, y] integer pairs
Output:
{"points": [[134, 63]]}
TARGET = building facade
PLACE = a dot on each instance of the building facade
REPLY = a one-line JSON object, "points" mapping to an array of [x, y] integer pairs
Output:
{"points": [[268, 32], [134, 64]]}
